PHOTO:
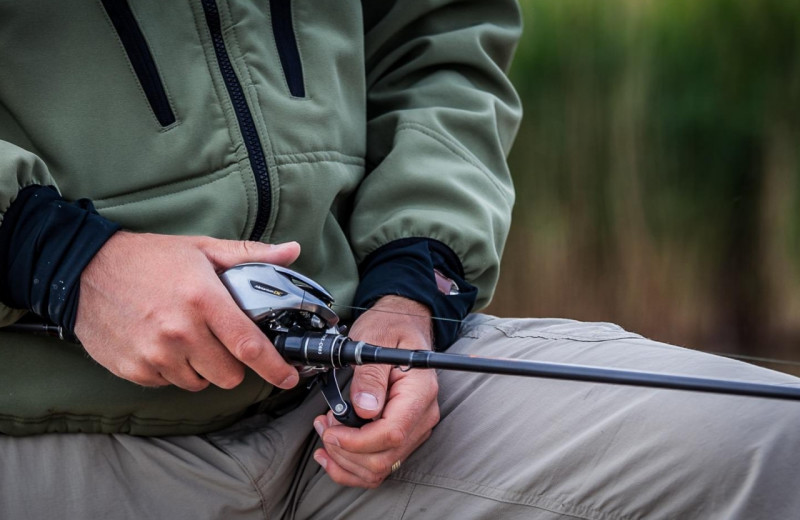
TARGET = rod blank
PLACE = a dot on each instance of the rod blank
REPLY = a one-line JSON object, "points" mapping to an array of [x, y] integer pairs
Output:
{"points": [[337, 351]]}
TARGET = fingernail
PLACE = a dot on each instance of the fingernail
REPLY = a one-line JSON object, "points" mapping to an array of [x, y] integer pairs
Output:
{"points": [[366, 401], [332, 440], [321, 460], [319, 427], [290, 381]]}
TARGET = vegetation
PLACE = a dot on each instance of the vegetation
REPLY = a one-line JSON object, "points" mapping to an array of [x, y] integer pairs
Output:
{"points": [[658, 171]]}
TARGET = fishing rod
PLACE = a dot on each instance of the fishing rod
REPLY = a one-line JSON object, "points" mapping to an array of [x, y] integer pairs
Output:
{"points": [[295, 312], [337, 351]]}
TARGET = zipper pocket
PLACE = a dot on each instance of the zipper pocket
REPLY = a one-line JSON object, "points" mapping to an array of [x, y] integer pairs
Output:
{"points": [[247, 125], [285, 41], [141, 59]]}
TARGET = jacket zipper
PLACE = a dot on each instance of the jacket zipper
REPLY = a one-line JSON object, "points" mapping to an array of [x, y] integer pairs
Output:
{"points": [[141, 59], [285, 41], [244, 117]]}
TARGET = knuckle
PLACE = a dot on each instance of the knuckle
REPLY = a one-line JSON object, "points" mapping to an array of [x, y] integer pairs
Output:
{"points": [[192, 293], [195, 384], [139, 375], [194, 296], [247, 349], [170, 334], [240, 248], [248, 247], [426, 436], [374, 481], [380, 468], [433, 385], [396, 438], [371, 377], [202, 241], [231, 379], [158, 358], [435, 417]]}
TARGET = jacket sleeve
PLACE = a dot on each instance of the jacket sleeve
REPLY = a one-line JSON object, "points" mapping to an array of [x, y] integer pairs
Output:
{"points": [[441, 119], [19, 169], [45, 243]]}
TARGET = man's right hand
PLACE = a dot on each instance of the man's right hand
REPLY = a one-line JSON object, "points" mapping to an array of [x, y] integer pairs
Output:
{"points": [[153, 310]]}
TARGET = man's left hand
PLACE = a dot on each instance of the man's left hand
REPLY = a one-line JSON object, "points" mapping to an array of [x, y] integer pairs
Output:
{"points": [[403, 404]]}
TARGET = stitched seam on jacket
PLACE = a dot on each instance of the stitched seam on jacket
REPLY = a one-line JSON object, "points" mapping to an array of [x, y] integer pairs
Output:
{"points": [[317, 156], [216, 176], [455, 148]]}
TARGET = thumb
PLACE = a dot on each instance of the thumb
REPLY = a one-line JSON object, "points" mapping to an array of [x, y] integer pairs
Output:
{"points": [[228, 253], [368, 389]]}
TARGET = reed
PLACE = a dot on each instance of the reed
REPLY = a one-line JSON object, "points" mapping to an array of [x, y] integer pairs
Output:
{"points": [[657, 171]]}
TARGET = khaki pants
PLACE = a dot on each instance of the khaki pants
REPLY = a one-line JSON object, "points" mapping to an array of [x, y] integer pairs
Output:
{"points": [[506, 447]]}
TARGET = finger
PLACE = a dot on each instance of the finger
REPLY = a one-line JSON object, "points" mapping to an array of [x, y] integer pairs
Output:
{"points": [[369, 465], [411, 409], [136, 373], [343, 477], [371, 468], [369, 452], [160, 367], [376, 437], [378, 463], [227, 253], [368, 389], [184, 376], [245, 341], [161, 362], [216, 364]]}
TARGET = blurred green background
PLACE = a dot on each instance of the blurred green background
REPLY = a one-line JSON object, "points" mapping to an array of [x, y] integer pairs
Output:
{"points": [[658, 171]]}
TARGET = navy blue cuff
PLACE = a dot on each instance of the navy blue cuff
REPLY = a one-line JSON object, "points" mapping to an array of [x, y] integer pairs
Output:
{"points": [[45, 243], [406, 268]]}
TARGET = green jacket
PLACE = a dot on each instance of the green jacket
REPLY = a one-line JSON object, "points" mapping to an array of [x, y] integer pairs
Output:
{"points": [[341, 124]]}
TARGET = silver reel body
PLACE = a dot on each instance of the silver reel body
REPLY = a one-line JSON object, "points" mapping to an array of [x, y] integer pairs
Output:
{"points": [[277, 298], [280, 300], [284, 302]]}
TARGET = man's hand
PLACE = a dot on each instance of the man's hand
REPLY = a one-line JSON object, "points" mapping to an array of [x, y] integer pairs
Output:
{"points": [[404, 403], [153, 310]]}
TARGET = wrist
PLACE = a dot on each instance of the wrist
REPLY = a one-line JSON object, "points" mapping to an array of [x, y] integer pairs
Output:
{"points": [[423, 270], [46, 244], [395, 322]]}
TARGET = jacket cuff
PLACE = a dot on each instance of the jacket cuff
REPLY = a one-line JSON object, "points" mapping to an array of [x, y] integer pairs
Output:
{"points": [[408, 267], [45, 243]]}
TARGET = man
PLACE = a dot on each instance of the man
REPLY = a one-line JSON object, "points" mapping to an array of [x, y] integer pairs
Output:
{"points": [[368, 141]]}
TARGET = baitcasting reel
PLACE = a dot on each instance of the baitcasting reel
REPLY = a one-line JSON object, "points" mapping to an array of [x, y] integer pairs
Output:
{"points": [[293, 309]]}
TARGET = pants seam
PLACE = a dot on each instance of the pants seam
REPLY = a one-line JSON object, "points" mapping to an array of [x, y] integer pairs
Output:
{"points": [[253, 481], [411, 489], [541, 502]]}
